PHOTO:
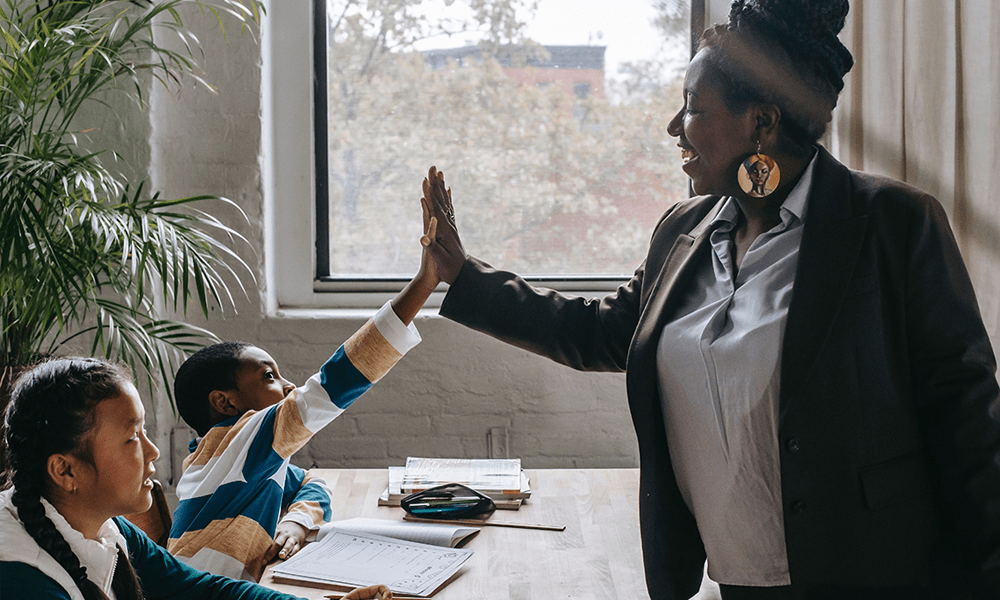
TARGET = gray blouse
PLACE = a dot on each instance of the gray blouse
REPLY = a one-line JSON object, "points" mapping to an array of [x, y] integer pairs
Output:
{"points": [[718, 363]]}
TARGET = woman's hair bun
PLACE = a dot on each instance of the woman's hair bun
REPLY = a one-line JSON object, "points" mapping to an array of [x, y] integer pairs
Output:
{"points": [[806, 29]]}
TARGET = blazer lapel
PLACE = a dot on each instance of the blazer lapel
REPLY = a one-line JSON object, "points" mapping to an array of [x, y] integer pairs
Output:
{"points": [[831, 244], [668, 287], [676, 268]]}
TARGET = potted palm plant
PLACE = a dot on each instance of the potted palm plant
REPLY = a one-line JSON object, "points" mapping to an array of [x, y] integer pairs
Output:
{"points": [[85, 251]]}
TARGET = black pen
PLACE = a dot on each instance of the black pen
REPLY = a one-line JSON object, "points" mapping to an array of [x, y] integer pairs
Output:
{"points": [[446, 501]]}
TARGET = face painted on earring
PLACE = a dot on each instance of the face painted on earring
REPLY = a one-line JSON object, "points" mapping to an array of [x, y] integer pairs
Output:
{"points": [[759, 173], [758, 176]]}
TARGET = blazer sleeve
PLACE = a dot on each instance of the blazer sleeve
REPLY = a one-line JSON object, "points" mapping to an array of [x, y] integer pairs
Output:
{"points": [[954, 385], [585, 334]]}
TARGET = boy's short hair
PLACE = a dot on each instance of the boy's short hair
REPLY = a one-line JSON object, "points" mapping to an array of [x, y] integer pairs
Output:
{"points": [[211, 368]]}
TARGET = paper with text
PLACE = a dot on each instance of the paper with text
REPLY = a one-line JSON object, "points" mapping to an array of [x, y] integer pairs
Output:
{"points": [[483, 474], [365, 559]]}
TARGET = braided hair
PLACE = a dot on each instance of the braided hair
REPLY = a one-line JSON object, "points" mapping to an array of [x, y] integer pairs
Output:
{"points": [[51, 411], [786, 53]]}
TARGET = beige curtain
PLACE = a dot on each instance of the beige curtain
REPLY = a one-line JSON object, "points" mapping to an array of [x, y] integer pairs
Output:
{"points": [[922, 104]]}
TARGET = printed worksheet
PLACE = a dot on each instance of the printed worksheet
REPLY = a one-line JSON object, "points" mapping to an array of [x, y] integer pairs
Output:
{"points": [[363, 559]]}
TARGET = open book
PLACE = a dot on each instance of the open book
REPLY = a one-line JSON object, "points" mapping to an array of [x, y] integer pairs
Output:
{"points": [[341, 559]]}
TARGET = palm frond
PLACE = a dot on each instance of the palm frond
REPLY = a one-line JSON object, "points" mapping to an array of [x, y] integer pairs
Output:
{"points": [[85, 253]]}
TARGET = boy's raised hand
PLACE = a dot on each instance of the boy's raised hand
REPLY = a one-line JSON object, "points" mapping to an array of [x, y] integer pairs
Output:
{"points": [[428, 274]]}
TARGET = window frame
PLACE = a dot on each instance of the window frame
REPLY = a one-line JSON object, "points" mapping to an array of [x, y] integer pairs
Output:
{"points": [[296, 177]]}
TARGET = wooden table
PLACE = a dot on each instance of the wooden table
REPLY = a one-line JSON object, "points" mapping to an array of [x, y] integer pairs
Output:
{"points": [[597, 556]]}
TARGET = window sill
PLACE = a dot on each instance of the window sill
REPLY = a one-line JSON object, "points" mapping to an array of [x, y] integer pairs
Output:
{"points": [[343, 314]]}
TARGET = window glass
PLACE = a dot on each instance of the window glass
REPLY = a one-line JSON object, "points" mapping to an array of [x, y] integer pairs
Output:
{"points": [[548, 118]]}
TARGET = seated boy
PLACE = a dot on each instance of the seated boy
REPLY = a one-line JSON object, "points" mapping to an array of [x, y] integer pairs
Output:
{"points": [[238, 482]]}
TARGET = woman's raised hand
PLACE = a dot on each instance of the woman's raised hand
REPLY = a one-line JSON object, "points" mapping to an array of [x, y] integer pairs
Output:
{"points": [[441, 241]]}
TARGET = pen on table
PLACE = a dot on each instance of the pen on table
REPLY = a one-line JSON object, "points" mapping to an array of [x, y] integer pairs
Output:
{"points": [[337, 596], [478, 523], [456, 499]]}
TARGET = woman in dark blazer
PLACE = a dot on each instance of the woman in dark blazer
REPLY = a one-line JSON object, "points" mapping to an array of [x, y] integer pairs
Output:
{"points": [[812, 387]]}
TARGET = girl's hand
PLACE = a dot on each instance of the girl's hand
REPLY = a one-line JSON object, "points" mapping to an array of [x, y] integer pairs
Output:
{"points": [[372, 592], [443, 254]]}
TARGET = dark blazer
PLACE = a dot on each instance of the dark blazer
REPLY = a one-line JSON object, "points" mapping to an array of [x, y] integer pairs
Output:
{"points": [[889, 409]]}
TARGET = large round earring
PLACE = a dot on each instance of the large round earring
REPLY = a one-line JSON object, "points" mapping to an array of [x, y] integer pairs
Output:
{"points": [[758, 175]]}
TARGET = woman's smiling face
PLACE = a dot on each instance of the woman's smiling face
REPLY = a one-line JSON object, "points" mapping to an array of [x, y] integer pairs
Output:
{"points": [[712, 139]]}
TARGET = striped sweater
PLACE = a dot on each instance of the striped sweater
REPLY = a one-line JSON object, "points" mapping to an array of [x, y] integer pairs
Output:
{"points": [[238, 481]]}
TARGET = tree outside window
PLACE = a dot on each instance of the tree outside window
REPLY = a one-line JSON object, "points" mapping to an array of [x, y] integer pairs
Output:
{"points": [[565, 178]]}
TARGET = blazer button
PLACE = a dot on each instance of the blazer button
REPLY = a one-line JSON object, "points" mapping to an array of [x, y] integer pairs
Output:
{"points": [[798, 507], [793, 445]]}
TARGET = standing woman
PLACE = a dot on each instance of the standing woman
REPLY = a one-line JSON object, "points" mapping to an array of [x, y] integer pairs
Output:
{"points": [[79, 458], [811, 384]]}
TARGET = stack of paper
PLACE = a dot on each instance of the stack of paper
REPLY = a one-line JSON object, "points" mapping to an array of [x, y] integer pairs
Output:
{"points": [[498, 478], [345, 559], [394, 492]]}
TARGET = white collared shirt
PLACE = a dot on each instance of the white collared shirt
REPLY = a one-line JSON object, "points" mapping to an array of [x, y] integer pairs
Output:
{"points": [[98, 556], [718, 367]]}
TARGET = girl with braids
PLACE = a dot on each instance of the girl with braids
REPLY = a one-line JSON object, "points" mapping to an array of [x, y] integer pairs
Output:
{"points": [[812, 387], [79, 458]]}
